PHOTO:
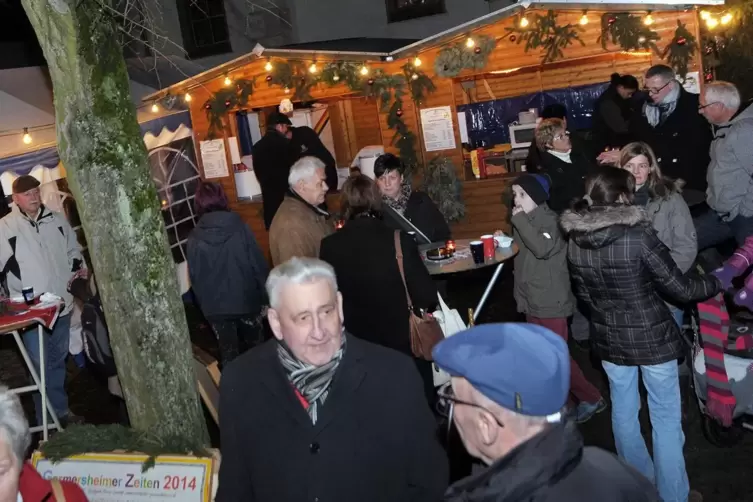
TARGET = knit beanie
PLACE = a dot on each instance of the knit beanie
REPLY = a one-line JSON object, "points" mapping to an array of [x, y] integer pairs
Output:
{"points": [[535, 185]]}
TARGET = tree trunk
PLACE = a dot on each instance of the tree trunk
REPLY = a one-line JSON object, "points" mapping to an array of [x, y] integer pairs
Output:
{"points": [[100, 145]]}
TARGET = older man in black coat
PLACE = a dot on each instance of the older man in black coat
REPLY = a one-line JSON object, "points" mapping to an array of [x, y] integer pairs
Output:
{"points": [[319, 415]]}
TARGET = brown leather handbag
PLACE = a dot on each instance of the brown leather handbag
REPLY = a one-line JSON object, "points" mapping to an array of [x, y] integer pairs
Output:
{"points": [[425, 332]]}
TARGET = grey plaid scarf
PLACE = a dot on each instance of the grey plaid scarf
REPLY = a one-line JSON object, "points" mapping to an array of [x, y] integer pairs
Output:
{"points": [[312, 382], [401, 203], [657, 113]]}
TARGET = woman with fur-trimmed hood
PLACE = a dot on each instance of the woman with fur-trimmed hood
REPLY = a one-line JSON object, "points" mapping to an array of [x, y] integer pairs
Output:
{"points": [[664, 205], [619, 267]]}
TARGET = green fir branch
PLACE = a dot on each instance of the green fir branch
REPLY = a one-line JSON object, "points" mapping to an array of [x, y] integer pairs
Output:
{"points": [[627, 31], [457, 57], [544, 33], [441, 183], [680, 50]]}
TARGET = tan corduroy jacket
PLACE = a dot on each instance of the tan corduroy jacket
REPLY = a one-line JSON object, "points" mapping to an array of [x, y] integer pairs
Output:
{"points": [[297, 230]]}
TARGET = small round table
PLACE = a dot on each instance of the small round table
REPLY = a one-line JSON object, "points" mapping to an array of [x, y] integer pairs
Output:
{"points": [[463, 262]]}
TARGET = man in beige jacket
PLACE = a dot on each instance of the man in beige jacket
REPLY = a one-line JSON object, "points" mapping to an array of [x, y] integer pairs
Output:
{"points": [[300, 224]]}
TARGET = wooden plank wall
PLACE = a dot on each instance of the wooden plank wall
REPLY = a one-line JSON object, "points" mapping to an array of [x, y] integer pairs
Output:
{"points": [[359, 122]]}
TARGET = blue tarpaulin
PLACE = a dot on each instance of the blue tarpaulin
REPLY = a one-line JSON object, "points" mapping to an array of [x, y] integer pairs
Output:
{"points": [[488, 121]]}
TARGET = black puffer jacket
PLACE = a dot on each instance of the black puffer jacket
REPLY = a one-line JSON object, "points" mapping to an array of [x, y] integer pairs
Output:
{"points": [[568, 179], [619, 266], [555, 467]]}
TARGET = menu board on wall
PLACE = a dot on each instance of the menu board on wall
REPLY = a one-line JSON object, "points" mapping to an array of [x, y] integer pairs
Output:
{"points": [[439, 133], [213, 158]]}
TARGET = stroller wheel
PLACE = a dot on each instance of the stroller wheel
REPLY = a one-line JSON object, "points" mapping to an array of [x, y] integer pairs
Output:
{"points": [[718, 435]]}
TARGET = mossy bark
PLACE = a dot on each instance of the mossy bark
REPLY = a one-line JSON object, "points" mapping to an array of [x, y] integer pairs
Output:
{"points": [[101, 147]]}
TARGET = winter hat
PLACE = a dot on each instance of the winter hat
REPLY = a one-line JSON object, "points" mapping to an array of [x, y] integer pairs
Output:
{"points": [[24, 183], [535, 185]]}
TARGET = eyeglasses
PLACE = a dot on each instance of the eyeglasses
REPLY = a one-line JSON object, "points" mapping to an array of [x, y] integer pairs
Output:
{"points": [[447, 401], [703, 107], [562, 135], [656, 91]]}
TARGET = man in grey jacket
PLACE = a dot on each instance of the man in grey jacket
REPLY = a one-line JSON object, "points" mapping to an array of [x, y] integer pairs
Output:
{"points": [[39, 249], [730, 173]]}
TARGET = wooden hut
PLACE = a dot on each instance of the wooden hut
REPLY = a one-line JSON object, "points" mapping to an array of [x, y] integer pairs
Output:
{"points": [[524, 48]]}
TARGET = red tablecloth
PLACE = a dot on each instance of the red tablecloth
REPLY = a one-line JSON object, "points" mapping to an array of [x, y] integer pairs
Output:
{"points": [[20, 315]]}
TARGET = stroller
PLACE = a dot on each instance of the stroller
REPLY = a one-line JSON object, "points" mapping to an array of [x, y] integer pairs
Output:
{"points": [[738, 365]]}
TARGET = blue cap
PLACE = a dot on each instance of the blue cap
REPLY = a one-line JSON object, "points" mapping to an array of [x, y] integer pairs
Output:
{"points": [[521, 367]]}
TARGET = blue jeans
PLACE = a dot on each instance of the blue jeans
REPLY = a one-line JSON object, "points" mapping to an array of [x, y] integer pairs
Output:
{"points": [[677, 314], [712, 230], [55, 354], [667, 470]]}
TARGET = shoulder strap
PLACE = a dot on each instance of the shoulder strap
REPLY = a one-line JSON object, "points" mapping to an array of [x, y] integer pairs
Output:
{"points": [[57, 490], [399, 255]]}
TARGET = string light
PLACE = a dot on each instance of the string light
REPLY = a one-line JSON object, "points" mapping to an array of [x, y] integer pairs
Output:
{"points": [[712, 23], [727, 18], [417, 62], [524, 22], [364, 71], [470, 42], [228, 82], [155, 108], [313, 68], [188, 98], [583, 19], [27, 137], [705, 15], [287, 91], [648, 20], [268, 66]]}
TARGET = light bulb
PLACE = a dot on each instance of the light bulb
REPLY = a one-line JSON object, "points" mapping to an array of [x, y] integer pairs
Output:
{"points": [[712, 23], [313, 68], [364, 70], [583, 20], [417, 62], [27, 137], [705, 15], [470, 42], [155, 108], [414, 76], [524, 22], [648, 20], [335, 77], [268, 66], [727, 18], [287, 91], [228, 82], [188, 98]]}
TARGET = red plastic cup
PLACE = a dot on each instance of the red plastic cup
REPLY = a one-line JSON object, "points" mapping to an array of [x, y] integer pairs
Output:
{"points": [[489, 245]]}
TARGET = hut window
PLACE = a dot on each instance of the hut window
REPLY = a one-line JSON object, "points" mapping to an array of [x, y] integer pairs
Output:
{"points": [[403, 10], [203, 24]]}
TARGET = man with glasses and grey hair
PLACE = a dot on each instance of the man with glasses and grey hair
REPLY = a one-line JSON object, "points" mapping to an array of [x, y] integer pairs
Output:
{"points": [[509, 386], [317, 414], [300, 223], [668, 121], [730, 174]]}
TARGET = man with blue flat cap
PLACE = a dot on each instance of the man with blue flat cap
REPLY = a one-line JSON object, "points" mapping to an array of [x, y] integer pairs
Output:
{"points": [[509, 386]]}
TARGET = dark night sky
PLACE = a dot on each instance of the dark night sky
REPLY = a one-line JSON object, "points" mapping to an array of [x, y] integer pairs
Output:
{"points": [[18, 43]]}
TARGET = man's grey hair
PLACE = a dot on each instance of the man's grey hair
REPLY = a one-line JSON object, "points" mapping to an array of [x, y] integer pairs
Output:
{"points": [[13, 424], [661, 70], [297, 270], [724, 93], [304, 169]]}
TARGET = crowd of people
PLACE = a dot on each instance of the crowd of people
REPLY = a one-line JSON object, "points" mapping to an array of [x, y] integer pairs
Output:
{"points": [[322, 396]]}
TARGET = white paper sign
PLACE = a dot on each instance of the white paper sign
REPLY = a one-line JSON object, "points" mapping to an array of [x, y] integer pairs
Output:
{"points": [[235, 154], [213, 158], [437, 126], [692, 82], [108, 477]]}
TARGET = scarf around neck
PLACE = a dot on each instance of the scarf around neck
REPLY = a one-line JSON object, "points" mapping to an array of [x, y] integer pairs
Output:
{"points": [[563, 156], [656, 113], [401, 203], [313, 382]]}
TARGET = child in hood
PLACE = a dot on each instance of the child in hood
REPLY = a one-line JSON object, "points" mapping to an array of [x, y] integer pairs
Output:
{"points": [[542, 279]]}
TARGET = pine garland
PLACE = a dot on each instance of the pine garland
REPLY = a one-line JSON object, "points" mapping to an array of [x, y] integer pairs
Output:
{"points": [[441, 183], [627, 31], [237, 95], [680, 50], [457, 57], [544, 33], [80, 439]]}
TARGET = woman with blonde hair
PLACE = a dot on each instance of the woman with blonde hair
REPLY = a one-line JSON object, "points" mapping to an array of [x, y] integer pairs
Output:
{"points": [[664, 205]]}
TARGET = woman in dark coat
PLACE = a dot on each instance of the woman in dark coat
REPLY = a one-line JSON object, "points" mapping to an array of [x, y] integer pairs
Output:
{"points": [[619, 267], [400, 199], [612, 111], [227, 272], [566, 167], [364, 258]]}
